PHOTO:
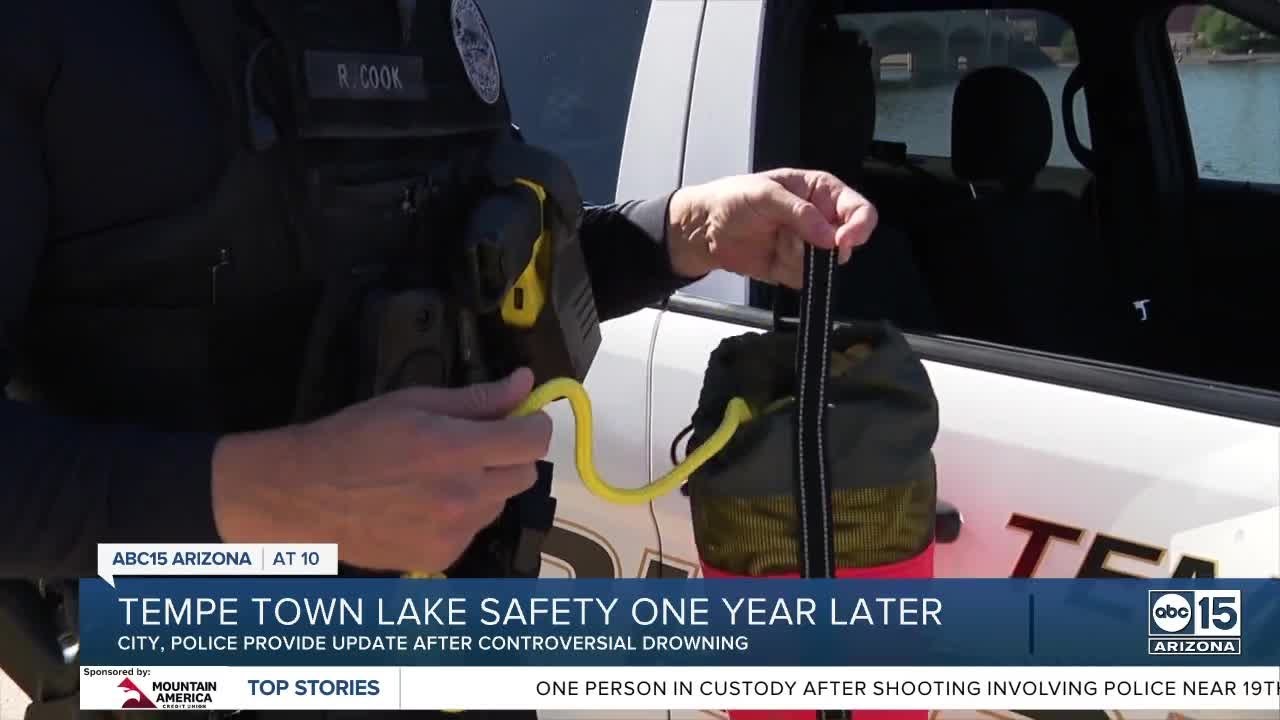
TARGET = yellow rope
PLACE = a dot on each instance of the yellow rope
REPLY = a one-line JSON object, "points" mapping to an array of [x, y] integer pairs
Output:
{"points": [[737, 413], [569, 389]]}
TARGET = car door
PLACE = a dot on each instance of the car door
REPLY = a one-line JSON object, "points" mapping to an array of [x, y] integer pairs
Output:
{"points": [[609, 101], [1061, 467], [613, 102]]}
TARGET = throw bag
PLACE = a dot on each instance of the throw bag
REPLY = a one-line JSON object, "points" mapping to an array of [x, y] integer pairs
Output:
{"points": [[883, 420]]}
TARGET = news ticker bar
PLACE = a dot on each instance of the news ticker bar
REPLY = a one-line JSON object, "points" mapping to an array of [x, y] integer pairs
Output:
{"points": [[685, 688]]}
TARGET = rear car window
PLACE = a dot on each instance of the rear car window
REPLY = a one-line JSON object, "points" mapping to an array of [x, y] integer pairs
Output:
{"points": [[570, 89], [923, 55], [1229, 71]]}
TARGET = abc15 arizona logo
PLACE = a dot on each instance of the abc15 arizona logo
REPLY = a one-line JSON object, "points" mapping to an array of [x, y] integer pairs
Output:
{"points": [[1193, 622]]}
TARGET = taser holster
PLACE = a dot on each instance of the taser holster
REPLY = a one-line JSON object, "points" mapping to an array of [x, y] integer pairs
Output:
{"points": [[515, 294]]}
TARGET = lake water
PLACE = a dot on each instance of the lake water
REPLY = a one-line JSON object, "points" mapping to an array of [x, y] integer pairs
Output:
{"points": [[1234, 111]]}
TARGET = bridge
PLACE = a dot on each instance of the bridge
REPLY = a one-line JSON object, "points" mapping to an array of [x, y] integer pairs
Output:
{"points": [[937, 44]]}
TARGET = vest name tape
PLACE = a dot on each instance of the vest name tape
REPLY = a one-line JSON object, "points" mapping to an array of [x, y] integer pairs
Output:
{"points": [[363, 76]]}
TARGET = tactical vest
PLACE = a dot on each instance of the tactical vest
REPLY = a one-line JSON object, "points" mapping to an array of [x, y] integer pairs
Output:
{"points": [[362, 138], [352, 130], [373, 178]]}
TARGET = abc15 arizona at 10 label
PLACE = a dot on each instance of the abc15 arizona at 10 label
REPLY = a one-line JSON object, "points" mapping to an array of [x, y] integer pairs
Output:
{"points": [[1193, 622]]}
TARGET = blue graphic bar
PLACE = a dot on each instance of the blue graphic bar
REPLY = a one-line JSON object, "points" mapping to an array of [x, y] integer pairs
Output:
{"points": [[375, 622]]}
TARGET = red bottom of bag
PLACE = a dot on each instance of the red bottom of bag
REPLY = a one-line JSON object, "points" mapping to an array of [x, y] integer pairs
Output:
{"points": [[810, 714], [919, 567]]}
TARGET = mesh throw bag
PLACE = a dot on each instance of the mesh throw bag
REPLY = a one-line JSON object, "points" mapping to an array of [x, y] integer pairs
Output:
{"points": [[882, 423]]}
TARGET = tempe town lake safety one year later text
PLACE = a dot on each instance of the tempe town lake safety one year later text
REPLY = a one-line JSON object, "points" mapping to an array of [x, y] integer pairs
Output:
{"points": [[555, 611]]}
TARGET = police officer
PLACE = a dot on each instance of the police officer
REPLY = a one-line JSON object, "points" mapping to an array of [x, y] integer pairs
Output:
{"points": [[158, 159], [107, 120]]}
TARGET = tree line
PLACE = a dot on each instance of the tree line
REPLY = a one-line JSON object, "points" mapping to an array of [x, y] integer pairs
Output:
{"points": [[1214, 29], [1219, 30]]}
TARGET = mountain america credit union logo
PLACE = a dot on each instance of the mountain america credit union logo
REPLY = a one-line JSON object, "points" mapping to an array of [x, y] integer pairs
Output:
{"points": [[1193, 622], [169, 695], [135, 698]]}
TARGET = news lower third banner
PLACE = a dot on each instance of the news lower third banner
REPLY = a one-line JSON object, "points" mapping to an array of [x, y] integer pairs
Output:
{"points": [[345, 643]]}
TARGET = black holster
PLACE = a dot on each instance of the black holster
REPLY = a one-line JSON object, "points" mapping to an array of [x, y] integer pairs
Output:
{"points": [[368, 339], [33, 632], [38, 637], [511, 547]]}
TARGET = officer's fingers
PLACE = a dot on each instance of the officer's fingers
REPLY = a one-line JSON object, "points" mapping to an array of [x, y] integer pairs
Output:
{"points": [[472, 500], [791, 277], [795, 213], [788, 262], [475, 501], [790, 247], [851, 215], [482, 401], [496, 443], [400, 541], [499, 483], [858, 220]]}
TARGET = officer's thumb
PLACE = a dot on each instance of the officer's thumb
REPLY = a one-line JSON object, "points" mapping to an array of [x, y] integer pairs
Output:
{"points": [[482, 401]]}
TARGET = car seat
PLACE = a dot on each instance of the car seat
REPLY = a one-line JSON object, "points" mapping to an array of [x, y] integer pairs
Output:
{"points": [[1012, 264]]}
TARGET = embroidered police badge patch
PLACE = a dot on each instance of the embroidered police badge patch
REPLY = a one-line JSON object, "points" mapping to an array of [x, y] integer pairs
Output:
{"points": [[475, 46]]}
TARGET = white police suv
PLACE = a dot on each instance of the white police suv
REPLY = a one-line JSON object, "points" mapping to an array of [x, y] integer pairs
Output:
{"points": [[1081, 245]]}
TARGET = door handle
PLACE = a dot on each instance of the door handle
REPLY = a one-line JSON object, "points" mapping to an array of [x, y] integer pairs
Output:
{"points": [[947, 522]]}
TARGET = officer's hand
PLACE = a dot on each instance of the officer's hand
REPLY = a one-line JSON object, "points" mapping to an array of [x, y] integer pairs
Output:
{"points": [[756, 225], [400, 482]]}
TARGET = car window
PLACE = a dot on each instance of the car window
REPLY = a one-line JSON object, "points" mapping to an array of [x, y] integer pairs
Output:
{"points": [[996, 252], [570, 90], [923, 55], [1230, 76]]}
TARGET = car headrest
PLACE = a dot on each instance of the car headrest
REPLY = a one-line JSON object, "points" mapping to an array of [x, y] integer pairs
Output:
{"points": [[839, 117], [1001, 128]]}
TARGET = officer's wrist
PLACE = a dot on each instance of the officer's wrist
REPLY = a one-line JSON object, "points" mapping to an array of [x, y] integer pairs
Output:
{"points": [[687, 239], [251, 474]]}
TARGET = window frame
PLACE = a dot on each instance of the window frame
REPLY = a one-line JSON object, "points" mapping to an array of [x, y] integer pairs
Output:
{"points": [[515, 52], [1142, 384]]}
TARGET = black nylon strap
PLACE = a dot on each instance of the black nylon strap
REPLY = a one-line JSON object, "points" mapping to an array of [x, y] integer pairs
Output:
{"points": [[812, 462], [812, 458]]}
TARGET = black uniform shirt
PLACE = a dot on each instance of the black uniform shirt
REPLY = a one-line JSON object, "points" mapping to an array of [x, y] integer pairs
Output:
{"points": [[104, 119]]}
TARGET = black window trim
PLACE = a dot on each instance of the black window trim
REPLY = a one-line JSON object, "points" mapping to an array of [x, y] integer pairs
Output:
{"points": [[1174, 391]]}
